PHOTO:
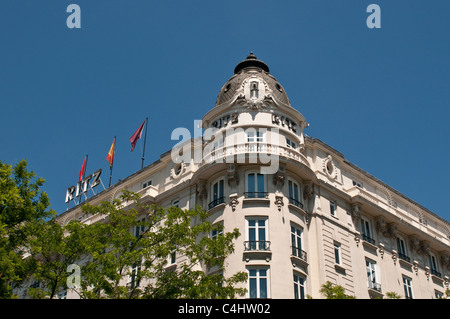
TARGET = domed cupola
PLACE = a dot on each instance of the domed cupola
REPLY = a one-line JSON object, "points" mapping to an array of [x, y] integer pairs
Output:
{"points": [[253, 84]]}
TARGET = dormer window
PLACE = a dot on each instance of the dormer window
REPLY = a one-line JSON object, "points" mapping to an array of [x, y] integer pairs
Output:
{"points": [[254, 91]]}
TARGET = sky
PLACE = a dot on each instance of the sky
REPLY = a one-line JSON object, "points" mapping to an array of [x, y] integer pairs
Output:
{"points": [[380, 96]]}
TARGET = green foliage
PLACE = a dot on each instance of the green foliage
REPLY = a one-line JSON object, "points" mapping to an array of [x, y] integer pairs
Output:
{"points": [[392, 295], [331, 291], [23, 205], [114, 252]]}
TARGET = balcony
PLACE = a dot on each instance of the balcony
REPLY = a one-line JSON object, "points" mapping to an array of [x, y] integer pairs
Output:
{"points": [[256, 195], [257, 249], [253, 245], [219, 155], [297, 252], [216, 202], [368, 239], [436, 273], [375, 290], [404, 257], [295, 202]]}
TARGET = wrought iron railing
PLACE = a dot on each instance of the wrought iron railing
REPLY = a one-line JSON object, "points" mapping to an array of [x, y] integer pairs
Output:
{"points": [[435, 272], [404, 257], [216, 202], [295, 202], [255, 245], [256, 194], [297, 252], [368, 239], [375, 286]]}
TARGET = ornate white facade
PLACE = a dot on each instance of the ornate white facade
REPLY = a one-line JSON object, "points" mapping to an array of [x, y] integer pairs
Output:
{"points": [[306, 215]]}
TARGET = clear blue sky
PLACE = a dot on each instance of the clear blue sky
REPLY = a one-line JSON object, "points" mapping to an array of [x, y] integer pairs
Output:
{"points": [[379, 96]]}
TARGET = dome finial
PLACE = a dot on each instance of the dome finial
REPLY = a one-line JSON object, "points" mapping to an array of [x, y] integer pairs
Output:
{"points": [[251, 61]]}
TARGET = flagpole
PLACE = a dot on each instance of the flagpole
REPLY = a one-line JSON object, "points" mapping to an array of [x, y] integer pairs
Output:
{"points": [[111, 167], [145, 140], [84, 176]]}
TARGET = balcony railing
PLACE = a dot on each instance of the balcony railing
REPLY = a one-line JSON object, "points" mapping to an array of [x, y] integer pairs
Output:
{"points": [[436, 273], [216, 202], [256, 194], [295, 202], [368, 239], [375, 286], [297, 252], [257, 245], [404, 257]]}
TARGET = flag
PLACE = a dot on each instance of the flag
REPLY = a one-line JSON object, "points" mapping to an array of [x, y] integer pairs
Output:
{"points": [[110, 156], [136, 136], [83, 168]]}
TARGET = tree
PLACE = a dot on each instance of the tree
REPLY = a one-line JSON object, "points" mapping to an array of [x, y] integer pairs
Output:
{"points": [[128, 252], [331, 291], [22, 205], [53, 248], [392, 295]]}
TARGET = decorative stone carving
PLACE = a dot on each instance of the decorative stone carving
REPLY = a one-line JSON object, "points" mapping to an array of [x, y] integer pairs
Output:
{"points": [[308, 190], [356, 211], [232, 175], [424, 248], [279, 177], [233, 202], [201, 190], [416, 266], [415, 242], [279, 202], [394, 256], [381, 249], [445, 259], [329, 167], [387, 230]]}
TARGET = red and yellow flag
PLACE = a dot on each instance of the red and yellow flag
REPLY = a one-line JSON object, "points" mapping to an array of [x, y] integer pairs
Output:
{"points": [[110, 156]]}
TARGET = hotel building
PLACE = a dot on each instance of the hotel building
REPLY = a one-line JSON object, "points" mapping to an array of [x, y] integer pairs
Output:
{"points": [[306, 215]]}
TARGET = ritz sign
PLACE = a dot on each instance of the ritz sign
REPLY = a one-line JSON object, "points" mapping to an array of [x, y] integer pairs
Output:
{"points": [[82, 186]]}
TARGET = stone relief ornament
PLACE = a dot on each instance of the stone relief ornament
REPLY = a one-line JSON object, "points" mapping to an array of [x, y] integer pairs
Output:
{"points": [[445, 259], [232, 175], [356, 211], [387, 230], [308, 190], [233, 202], [279, 202], [329, 167]]}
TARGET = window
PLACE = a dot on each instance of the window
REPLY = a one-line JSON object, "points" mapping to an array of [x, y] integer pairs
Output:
{"points": [[357, 184], [148, 183], [294, 194], [291, 144], [139, 228], [258, 281], [255, 136], [337, 253], [296, 242], [434, 265], [257, 234], [173, 257], [217, 143], [438, 294], [175, 203], [299, 286], [217, 194], [255, 186], [407, 286], [333, 208], [372, 279], [401, 246], [254, 91], [366, 231], [135, 272]]}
